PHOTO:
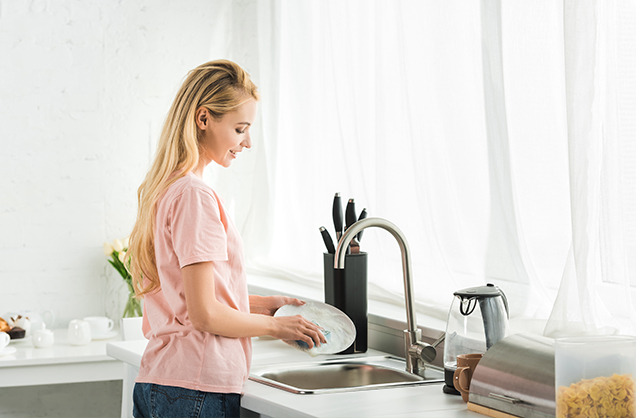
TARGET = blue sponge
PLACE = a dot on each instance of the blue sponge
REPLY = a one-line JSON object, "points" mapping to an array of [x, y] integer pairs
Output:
{"points": [[305, 346]]}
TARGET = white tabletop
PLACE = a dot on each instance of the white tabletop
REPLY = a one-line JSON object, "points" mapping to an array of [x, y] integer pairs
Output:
{"points": [[61, 363]]}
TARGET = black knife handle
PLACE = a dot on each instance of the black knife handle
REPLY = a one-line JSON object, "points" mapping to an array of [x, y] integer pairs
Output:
{"points": [[327, 239], [350, 213], [337, 215], [363, 215]]}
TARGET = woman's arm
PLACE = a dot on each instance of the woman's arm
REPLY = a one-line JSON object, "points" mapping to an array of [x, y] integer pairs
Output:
{"points": [[207, 314], [268, 305]]}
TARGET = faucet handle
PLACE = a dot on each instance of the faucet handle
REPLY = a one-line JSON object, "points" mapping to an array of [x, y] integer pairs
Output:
{"points": [[423, 351], [416, 350]]}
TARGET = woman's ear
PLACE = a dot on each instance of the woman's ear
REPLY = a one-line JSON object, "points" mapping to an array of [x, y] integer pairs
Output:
{"points": [[202, 118]]}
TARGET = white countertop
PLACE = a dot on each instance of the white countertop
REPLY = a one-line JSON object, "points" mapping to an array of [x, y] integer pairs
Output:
{"points": [[415, 401], [60, 363], [61, 351]]}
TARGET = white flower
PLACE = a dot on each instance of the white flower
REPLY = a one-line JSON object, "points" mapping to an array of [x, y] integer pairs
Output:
{"points": [[108, 249], [117, 245], [126, 242]]}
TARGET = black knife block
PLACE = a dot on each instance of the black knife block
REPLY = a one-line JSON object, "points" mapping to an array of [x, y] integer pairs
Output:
{"points": [[347, 290]]}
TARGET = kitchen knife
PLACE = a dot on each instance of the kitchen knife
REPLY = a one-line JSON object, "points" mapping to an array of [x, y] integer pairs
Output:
{"points": [[327, 239], [350, 219], [337, 215], [363, 215], [350, 213]]}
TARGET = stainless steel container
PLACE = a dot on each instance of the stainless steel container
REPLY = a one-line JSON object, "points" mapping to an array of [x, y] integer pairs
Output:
{"points": [[516, 376]]}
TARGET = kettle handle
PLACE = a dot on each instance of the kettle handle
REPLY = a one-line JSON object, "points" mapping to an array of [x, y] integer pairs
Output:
{"points": [[469, 307], [505, 301]]}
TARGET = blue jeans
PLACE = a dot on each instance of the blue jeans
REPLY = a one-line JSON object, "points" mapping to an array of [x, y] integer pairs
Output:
{"points": [[159, 401]]}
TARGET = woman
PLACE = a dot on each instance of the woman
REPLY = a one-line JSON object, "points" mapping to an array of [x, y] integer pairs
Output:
{"points": [[187, 259]]}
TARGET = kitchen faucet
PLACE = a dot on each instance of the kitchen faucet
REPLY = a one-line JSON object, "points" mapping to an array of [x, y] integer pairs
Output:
{"points": [[414, 348]]}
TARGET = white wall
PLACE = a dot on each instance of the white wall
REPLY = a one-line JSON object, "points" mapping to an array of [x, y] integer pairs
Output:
{"points": [[84, 87]]}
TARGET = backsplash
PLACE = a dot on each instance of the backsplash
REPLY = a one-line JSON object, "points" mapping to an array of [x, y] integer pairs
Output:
{"points": [[84, 87]]}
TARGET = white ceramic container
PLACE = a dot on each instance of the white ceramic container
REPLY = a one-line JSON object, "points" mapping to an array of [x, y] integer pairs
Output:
{"points": [[43, 338], [79, 332]]}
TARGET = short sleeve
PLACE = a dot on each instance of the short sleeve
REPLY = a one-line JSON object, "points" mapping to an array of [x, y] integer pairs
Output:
{"points": [[197, 230]]}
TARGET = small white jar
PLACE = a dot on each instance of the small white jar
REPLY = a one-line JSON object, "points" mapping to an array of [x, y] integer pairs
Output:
{"points": [[79, 332], [43, 338]]}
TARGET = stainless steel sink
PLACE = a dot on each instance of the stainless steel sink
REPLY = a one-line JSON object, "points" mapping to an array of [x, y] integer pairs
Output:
{"points": [[344, 375]]}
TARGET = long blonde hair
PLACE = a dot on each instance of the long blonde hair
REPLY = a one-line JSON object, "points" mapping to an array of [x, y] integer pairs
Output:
{"points": [[221, 87]]}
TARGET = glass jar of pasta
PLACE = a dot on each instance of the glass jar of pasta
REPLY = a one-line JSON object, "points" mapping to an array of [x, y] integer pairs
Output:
{"points": [[594, 376]]}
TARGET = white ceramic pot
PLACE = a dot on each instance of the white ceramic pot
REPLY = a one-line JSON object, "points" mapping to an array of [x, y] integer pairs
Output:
{"points": [[79, 332], [43, 338], [39, 321], [35, 319]]}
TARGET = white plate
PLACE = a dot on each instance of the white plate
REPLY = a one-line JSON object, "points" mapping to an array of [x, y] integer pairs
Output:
{"points": [[7, 351], [338, 328], [107, 336]]}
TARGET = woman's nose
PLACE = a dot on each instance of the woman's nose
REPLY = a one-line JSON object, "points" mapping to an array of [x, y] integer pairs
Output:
{"points": [[247, 142]]}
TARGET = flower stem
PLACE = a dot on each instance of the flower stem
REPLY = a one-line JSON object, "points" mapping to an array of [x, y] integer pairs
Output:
{"points": [[133, 307]]}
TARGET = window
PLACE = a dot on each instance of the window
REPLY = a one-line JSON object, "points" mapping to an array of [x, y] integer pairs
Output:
{"points": [[460, 123]]}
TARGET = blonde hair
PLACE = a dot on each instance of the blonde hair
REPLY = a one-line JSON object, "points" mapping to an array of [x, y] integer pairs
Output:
{"points": [[221, 87]]}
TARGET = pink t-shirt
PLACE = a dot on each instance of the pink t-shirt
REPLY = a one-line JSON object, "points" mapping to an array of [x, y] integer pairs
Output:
{"points": [[192, 226]]}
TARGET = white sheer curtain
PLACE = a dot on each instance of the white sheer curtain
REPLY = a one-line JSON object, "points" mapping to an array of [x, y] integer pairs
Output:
{"points": [[448, 119], [600, 73]]}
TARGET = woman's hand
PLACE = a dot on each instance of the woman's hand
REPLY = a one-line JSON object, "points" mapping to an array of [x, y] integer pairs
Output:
{"points": [[268, 305], [287, 328], [207, 314], [294, 328]]}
